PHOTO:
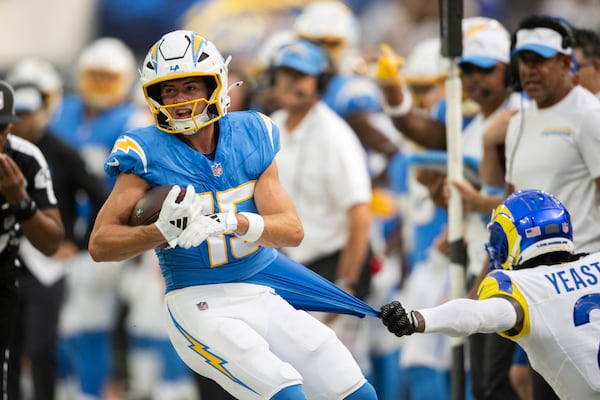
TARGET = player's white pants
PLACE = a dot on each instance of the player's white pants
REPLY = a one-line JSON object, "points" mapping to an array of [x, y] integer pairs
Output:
{"points": [[253, 343]]}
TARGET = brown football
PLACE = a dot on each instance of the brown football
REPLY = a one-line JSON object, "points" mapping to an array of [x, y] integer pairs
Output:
{"points": [[147, 208]]}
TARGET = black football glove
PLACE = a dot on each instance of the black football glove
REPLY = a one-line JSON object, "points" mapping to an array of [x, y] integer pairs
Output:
{"points": [[397, 320]]}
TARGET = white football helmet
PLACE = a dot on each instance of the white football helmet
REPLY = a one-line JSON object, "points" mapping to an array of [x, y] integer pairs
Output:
{"points": [[425, 65], [485, 42], [183, 54], [105, 73], [40, 73], [330, 24]]}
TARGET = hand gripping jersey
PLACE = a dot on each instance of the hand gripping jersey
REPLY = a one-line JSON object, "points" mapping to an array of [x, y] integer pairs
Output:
{"points": [[246, 146], [561, 328]]}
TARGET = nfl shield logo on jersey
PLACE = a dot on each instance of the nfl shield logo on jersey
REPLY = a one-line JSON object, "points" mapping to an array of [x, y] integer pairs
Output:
{"points": [[217, 169]]}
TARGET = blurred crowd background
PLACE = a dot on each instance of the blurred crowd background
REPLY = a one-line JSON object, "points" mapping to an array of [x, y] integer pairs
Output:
{"points": [[59, 30], [62, 30]]}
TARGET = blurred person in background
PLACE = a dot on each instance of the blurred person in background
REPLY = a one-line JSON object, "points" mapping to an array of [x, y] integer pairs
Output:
{"points": [[42, 74], [323, 167], [29, 211], [38, 90], [587, 59], [260, 71], [91, 119], [331, 25]]}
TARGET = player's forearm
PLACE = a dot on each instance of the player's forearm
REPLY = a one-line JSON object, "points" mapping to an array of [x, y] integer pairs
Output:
{"points": [[281, 230], [462, 317], [119, 242], [370, 135], [491, 168], [486, 203], [44, 230]]}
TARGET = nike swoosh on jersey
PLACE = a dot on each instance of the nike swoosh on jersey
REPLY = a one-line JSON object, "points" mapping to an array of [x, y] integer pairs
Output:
{"points": [[113, 163]]}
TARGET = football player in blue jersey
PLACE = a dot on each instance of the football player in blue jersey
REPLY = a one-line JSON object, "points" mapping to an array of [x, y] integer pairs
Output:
{"points": [[538, 294], [234, 304]]}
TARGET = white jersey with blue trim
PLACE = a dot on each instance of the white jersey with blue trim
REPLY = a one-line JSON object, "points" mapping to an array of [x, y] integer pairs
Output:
{"points": [[247, 144], [561, 328]]}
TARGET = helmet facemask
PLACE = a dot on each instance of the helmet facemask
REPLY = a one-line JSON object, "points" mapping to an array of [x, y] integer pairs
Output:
{"points": [[503, 247], [185, 54], [166, 119]]}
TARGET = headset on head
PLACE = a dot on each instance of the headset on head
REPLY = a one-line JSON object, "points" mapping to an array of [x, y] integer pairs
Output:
{"points": [[568, 36], [568, 40]]}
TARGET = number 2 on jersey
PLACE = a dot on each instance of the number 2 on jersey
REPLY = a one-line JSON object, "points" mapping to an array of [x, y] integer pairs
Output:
{"points": [[581, 312]]}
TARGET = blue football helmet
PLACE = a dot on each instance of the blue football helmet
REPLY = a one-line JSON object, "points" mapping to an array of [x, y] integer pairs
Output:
{"points": [[527, 224]]}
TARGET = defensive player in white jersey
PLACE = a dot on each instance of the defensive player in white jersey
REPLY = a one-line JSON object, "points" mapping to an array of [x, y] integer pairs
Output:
{"points": [[233, 302], [538, 294]]}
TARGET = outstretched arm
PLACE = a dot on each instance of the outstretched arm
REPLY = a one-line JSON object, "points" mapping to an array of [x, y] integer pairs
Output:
{"points": [[423, 130], [459, 317]]}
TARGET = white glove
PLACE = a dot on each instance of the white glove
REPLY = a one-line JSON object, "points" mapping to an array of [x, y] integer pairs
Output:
{"points": [[203, 226], [174, 217]]}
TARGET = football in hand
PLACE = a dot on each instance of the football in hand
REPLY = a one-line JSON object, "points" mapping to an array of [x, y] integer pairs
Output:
{"points": [[147, 208]]}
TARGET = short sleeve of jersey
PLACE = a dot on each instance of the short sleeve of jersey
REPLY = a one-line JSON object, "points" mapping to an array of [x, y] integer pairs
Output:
{"points": [[499, 284], [129, 154], [347, 95], [261, 136]]}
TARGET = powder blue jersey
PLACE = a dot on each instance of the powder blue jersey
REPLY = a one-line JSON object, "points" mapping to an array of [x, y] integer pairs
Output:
{"points": [[247, 144]]}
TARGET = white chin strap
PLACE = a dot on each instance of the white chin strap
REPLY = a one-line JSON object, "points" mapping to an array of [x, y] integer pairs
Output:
{"points": [[192, 124], [187, 126]]}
